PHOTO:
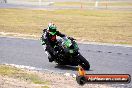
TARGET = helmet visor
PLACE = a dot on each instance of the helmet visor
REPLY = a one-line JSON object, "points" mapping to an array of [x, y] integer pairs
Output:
{"points": [[52, 33]]}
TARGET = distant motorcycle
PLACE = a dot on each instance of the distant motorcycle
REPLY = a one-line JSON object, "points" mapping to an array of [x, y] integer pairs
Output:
{"points": [[67, 53]]}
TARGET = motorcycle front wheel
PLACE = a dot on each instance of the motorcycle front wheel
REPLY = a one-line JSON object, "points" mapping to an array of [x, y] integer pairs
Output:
{"points": [[83, 62]]}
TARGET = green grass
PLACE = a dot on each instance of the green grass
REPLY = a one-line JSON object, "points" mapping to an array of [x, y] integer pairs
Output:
{"points": [[43, 87], [74, 4], [91, 25], [84, 4], [21, 74], [9, 71], [117, 4]]}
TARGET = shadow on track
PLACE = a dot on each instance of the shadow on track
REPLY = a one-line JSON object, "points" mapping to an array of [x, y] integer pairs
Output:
{"points": [[68, 67]]}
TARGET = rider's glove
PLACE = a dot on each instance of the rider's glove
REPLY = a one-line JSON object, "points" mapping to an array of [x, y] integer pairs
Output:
{"points": [[71, 38], [42, 41]]}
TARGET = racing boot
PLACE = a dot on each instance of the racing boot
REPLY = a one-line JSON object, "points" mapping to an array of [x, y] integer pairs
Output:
{"points": [[49, 56]]}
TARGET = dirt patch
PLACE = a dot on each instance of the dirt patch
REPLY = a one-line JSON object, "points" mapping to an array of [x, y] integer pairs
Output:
{"points": [[6, 82], [51, 80]]}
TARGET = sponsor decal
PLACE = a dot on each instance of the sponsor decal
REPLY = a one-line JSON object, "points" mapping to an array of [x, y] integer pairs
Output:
{"points": [[83, 78]]}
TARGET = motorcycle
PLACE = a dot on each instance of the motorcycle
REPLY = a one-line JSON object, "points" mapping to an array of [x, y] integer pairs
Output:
{"points": [[67, 53]]}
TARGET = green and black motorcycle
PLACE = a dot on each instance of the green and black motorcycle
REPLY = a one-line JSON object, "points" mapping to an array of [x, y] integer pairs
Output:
{"points": [[68, 53]]}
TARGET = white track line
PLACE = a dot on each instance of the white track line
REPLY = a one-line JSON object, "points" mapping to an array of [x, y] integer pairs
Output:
{"points": [[18, 35]]}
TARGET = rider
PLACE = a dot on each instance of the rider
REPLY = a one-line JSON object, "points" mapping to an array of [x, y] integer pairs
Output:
{"points": [[49, 40]]}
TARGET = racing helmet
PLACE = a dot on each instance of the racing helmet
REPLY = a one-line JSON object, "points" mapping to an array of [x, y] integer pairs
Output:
{"points": [[52, 28]]}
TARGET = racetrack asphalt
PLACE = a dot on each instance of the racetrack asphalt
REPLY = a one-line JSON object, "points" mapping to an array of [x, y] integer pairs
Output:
{"points": [[103, 59]]}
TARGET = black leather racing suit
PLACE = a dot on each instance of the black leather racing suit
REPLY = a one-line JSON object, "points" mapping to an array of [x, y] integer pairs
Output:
{"points": [[50, 41]]}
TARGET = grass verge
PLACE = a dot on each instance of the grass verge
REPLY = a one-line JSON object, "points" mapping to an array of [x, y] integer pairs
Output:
{"points": [[104, 26], [84, 4], [14, 72]]}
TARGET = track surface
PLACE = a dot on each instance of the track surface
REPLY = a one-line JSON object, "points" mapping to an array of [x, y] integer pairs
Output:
{"points": [[103, 59]]}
